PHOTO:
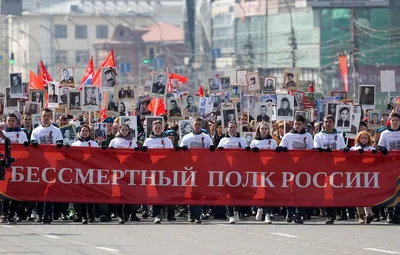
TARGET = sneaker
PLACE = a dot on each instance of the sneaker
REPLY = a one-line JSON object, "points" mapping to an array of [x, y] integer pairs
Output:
{"points": [[329, 221], [289, 218], [46, 220], [298, 220], [236, 216], [145, 215], [11, 221], [197, 221], [369, 219], [231, 220], [157, 220], [390, 218], [85, 221], [268, 219], [259, 214], [121, 221], [339, 218], [361, 220], [191, 220], [38, 219]]}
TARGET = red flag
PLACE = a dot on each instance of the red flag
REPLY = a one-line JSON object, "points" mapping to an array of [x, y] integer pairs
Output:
{"points": [[343, 70], [157, 106], [33, 81], [109, 62], [46, 100], [201, 92], [89, 73], [103, 112], [44, 76], [311, 87], [178, 77]]}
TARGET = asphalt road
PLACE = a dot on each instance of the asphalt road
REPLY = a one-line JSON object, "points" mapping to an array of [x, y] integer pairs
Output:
{"points": [[212, 237]]}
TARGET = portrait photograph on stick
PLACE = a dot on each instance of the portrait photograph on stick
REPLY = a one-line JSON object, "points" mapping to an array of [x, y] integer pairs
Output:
{"points": [[185, 127], [340, 95], [269, 86], [253, 81], [69, 134], [90, 98], [374, 119], [285, 106], [37, 96], [159, 84], [174, 107], [228, 114], [214, 85], [31, 107], [343, 117], [100, 131], [366, 96], [16, 85], [263, 112], [67, 76], [235, 92], [131, 121], [53, 90], [108, 77], [64, 96], [291, 78], [190, 105], [74, 100], [125, 91]]}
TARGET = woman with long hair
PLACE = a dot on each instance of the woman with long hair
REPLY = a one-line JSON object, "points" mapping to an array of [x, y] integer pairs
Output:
{"points": [[85, 211]]}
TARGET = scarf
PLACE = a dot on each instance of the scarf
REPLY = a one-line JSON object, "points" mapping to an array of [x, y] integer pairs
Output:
{"points": [[16, 129], [128, 137], [152, 135], [87, 139], [260, 138], [293, 131], [227, 135]]}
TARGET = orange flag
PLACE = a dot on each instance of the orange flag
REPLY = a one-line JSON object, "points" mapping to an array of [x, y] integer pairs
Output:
{"points": [[109, 62], [157, 106], [44, 77], [33, 81], [201, 92]]}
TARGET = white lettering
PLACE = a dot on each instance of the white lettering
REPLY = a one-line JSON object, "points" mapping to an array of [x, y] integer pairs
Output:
{"points": [[152, 177], [228, 179], [332, 180], [162, 178], [16, 177], [308, 180], [32, 172], [117, 175], [356, 179], [190, 180], [211, 179], [374, 178], [83, 178], [287, 177], [101, 176], [254, 179], [315, 180], [132, 176], [265, 179], [44, 173], [61, 177]]}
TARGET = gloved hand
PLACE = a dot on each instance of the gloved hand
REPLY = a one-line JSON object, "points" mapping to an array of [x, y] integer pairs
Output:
{"points": [[284, 149], [384, 151], [136, 149], [67, 146], [345, 149], [220, 148], [184, 148], [328, 149], [111, 147], [144, 148], [26, 144], [35, 143], [255, 149], [278, 149], [361, 151], [248, 148], [59, 145], [104, 146], [320, 150], [212, 148], [177, 148], [374, 151]]}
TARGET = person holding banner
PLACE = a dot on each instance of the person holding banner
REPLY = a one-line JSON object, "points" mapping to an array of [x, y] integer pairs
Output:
{"points": [[233, 140], [84, 140], [158, 140]]}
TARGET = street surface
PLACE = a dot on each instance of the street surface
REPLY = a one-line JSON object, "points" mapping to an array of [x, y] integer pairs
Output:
{"points": [[212, 237]]}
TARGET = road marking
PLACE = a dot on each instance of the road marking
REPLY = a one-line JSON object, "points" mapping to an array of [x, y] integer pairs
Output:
{"points": [[106, 249], [51, 236], [7, 226], [285, 235], [382, 251]]}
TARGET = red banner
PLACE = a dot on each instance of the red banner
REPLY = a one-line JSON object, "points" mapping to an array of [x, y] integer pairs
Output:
{"points": [[343, 71], [198, 176]]}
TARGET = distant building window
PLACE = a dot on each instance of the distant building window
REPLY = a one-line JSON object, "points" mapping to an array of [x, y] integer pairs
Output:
{"points": [[80, 31], [151, 52], [61, 56], [81, 56], [101, 31], [60, 31], [178, 69]]}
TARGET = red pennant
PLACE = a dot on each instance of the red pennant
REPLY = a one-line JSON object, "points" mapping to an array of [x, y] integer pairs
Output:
{"points": [[109, 62]]}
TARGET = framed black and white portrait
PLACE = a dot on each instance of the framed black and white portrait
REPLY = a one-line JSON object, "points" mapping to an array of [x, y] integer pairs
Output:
{"points": [[158, 87], [10, 102], [123, 109], [331, 108], [225, 83], [343, 117], [174, 107], [144, 102], [131, 121], [149, 123], [385, 117], [291, 79], [125, 92], [374, 119], [112, 104], [36, 96], [228, 114], [248, 136], [205, 102], [64, 91], [285, 105], [355, 123], [190, 105], [214, 85], [269, 86], [263, 112], [31, 107], [253, 81], [108, 78], [339, 95], [304, 114], [69, 134], [16, 85], [67, 75], [36, 121], [100, 131], [366, 96], [235, 92], [185, 127], [90, 98], [241, 77], [74, 100], [53, 90]]}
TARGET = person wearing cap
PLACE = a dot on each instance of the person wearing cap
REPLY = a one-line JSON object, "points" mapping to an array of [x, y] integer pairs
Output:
{"points": [[109, 121], [290, 83], [172, 135], [110, 79]]}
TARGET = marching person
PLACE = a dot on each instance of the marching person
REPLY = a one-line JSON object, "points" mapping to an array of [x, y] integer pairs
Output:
{"points": [[196, 139], [123, 139], [233, 140], [264, 141], [363, 142], [297, 139], [329, 139], [46, 133], [27, 125], [85, 140], [390, 141], [158, 140]]}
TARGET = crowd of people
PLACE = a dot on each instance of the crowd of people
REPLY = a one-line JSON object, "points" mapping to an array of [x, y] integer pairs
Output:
{"points": [[209, 134]]}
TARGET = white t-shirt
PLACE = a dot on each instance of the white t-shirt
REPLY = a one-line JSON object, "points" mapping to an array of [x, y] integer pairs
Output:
{"points": [[296, 141], [390, 140], [233, 142], [89, 143], [368, 148], [47, 135], [197, 140], [118, 142], [265, 144], [324, 140], [15, 137], [158, 143]]}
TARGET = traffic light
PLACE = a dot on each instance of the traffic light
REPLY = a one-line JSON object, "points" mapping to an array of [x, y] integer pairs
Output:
{"points": [[146, 61], [12, 59]]}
